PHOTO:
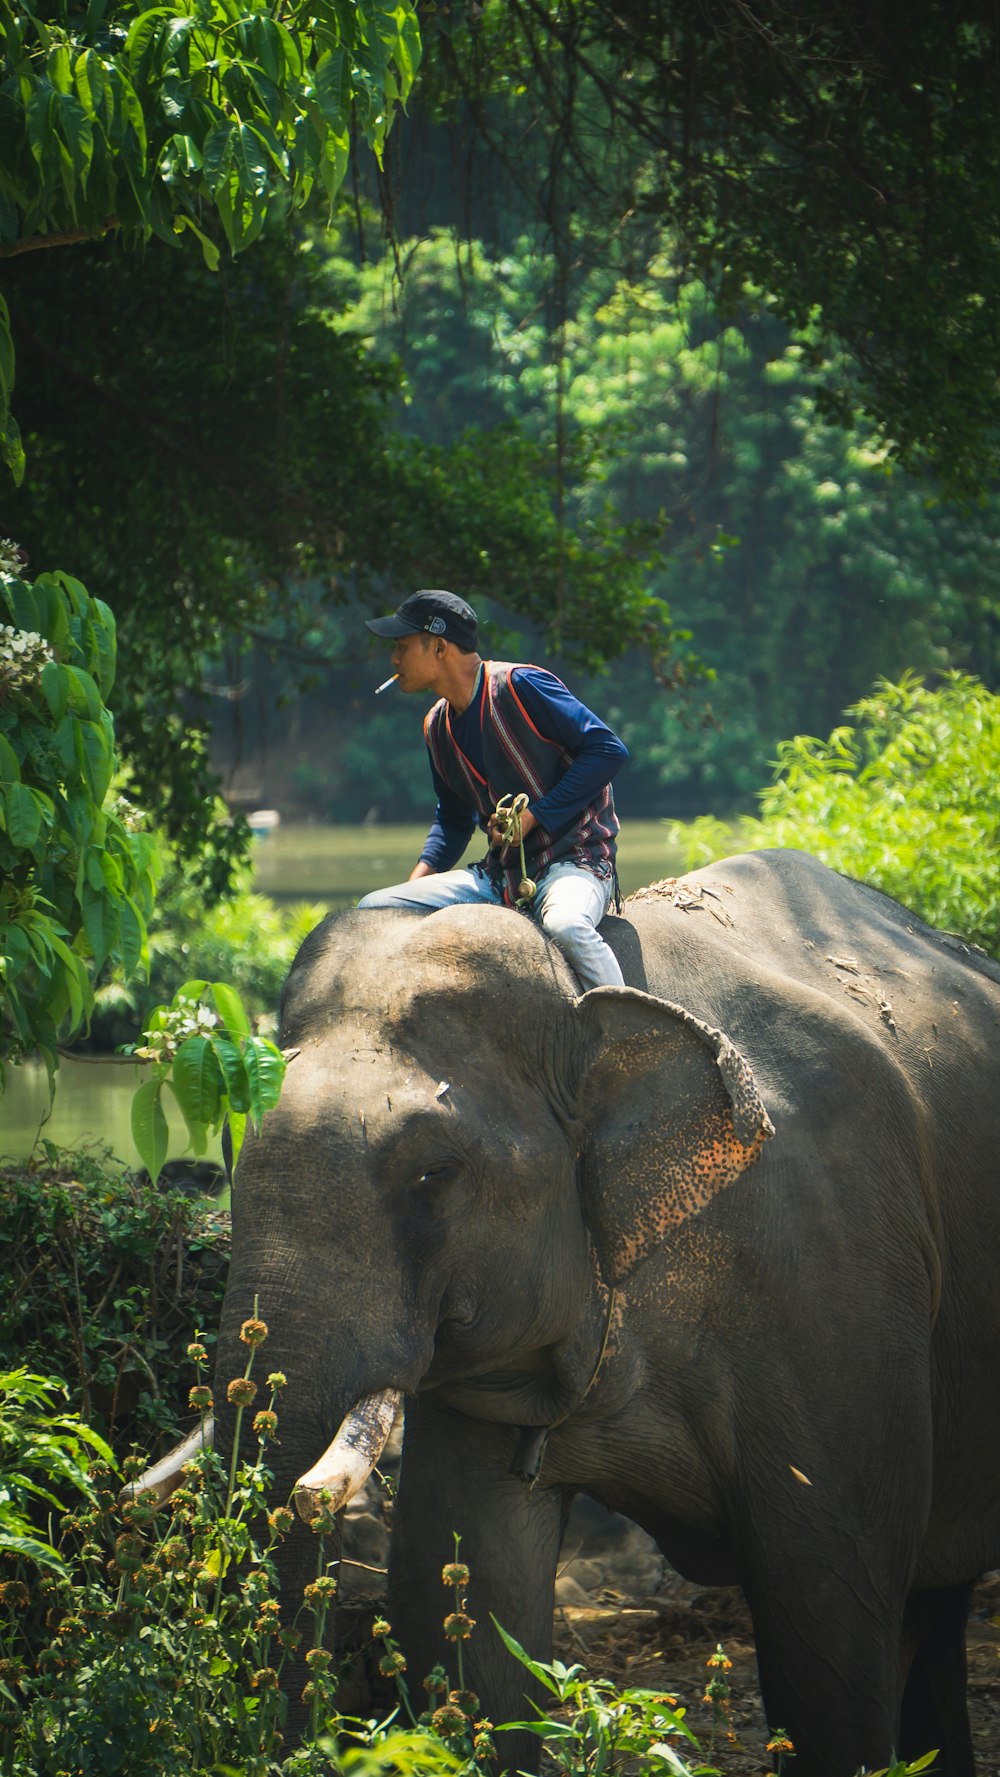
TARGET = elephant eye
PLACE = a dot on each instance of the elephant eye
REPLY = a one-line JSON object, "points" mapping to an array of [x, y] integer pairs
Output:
{"points": [[438, 1173]]}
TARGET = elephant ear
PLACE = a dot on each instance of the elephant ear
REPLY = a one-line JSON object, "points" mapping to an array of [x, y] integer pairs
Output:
{"points": [[670, 1115]]}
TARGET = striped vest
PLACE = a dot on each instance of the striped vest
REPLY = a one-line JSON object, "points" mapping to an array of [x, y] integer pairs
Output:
{"points": [[518, 758]]}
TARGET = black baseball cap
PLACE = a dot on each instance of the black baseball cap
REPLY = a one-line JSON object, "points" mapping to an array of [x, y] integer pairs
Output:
{"points": [[430, 613]]}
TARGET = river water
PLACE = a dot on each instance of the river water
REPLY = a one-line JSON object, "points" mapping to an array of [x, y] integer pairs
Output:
{"points": [[329, 865]]}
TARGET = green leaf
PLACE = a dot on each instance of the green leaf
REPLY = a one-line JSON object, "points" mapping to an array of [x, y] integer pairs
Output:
{"points": [[11, 448], [100, 922], [74, 980], [237, 1130], [149, 1127], [265, 1068], [535, 1667], [84, 697], [234, 1073], [209, 251], [251, 160], [196, 1079], [132, 938], [55, 688], [10, 770], [23, 815], [230, 1009], [99, 759], [191, 990]]}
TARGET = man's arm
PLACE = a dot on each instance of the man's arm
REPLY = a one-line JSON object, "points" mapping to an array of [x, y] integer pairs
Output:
{"points": [[598, 754], [451, 829]]}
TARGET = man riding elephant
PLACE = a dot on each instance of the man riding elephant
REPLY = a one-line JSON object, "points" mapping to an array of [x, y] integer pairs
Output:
{"points": [[502, 733]]}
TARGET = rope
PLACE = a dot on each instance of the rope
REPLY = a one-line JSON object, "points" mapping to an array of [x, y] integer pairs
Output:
{"points": [[507, 815], [527, 1460]]}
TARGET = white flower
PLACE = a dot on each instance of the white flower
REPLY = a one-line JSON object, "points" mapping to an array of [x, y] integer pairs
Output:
{"points": [[23, 653]]}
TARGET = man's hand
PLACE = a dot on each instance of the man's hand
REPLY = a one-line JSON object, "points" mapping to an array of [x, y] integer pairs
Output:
{"points": [[421, 869], [495, 831]]}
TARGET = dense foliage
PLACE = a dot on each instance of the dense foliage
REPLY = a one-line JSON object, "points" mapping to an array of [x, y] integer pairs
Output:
{"points": [[157, 1646], [903, 796], [842, 158], [158, 120], [101, 1279], [802, 565], [230, 477], [76, 878], [246, 941]]}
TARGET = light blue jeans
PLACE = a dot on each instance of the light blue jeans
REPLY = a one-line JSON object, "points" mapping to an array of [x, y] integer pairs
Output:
{"points": [[569, 906]]}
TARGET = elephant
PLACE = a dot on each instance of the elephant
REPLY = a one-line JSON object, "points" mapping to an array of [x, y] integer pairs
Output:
{"points": [[717, 1249]]}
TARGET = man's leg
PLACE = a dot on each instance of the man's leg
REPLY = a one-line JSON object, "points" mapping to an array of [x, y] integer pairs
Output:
{"points": [[447, 888], [569, 906]]}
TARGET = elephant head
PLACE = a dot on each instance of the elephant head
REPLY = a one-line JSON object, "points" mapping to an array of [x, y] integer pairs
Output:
{"points": [[458, 1136]]}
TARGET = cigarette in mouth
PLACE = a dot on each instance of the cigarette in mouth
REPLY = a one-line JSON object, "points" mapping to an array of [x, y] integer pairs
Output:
{"points": [[385, 685]]}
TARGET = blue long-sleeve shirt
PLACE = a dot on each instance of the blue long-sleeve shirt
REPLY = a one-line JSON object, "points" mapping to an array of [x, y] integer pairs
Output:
{"points": [[597, 755]]}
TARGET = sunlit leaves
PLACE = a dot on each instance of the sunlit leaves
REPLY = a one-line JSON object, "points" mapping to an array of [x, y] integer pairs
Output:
{"points": [[904, 796], [156, 118], [76, 886], [202, 1049]]}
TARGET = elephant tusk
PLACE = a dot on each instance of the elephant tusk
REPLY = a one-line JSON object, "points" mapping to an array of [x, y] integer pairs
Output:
{"points": [[344, 1467], [165, 1476]]}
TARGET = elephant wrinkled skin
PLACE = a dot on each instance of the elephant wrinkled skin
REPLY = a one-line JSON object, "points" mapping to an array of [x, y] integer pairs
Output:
{"points": [[798, 1390]]}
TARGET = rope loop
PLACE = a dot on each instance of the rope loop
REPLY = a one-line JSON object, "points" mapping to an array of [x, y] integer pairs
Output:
{"points": [[507, 815]]}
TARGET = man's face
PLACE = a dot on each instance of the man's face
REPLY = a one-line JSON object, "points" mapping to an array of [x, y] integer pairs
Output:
{"points": [[415, 659]]}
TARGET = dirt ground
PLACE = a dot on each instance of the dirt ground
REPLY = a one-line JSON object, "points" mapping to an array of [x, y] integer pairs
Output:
{"points": [[668, 1642]]}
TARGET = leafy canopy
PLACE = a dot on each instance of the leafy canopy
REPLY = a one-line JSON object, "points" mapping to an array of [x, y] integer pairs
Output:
{"points": [[903, 797], [176, 118], [843, 158]]}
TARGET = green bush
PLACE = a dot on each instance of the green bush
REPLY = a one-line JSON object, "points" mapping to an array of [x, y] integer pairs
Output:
{"points": [[76, 876], [101, 1279], [905, 797], [246, 940], [154, 1645]]}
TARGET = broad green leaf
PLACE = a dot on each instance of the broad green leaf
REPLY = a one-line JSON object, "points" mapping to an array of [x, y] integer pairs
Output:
{"points": [[251, 160], [16, 947], [76, 130], [234, 1073], [230, 1009], [99, 759], [132, 938], [84, 697], [91, 85], [334, 88], [149, 1127], [75, 981], [20, 600], [40, 111], [100, 922], [217, 157], [10, 769], [237, 1130], [265, 1068], [196, 1079], [209, 250], [55, 688], [23, 815]]}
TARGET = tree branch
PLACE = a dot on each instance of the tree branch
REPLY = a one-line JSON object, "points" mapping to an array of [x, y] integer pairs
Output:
{"points": [[70, 237]]}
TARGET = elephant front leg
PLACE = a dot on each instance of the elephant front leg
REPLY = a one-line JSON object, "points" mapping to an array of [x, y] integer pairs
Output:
{"points": [[456, 1478]]}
